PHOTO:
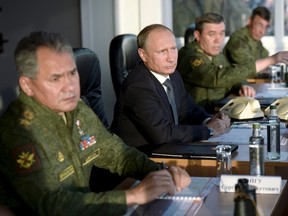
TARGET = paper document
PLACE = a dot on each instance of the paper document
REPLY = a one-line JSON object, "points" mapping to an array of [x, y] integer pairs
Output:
{"points": [[240, 133], [186, 202]]}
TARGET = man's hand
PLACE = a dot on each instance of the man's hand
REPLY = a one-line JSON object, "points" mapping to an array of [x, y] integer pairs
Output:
{"points": [[247, 91], [157, 183], [219, 123], [180, 177]]}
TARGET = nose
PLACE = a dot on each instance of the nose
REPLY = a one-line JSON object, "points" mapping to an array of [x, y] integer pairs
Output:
{"points": [[219, 39], [262, 31], [172, 55], [70, 83]]}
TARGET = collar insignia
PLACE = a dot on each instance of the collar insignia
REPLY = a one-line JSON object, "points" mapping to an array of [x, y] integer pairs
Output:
{"points": [[197, 62]]}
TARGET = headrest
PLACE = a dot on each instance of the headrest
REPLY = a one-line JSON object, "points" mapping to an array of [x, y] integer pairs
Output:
{"points": [[243, 108]]}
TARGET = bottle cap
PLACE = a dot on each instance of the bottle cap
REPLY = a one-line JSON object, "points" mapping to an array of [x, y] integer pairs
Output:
{"points": [[256, 125], [273, 107]]}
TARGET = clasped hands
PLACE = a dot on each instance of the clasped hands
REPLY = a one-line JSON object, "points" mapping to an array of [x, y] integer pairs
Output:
{"points": [[219, 122]]}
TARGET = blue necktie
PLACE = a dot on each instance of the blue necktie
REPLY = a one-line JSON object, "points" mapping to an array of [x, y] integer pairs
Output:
{"points": [[171, 98]]}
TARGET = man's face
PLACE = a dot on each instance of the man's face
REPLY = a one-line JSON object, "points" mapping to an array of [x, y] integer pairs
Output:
{"points": [[57, 82], [211, 39], [258, 27], [160, 52]]}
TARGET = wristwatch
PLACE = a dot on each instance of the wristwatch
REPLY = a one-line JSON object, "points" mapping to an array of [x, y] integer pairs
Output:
{"points": [[211, 131]]}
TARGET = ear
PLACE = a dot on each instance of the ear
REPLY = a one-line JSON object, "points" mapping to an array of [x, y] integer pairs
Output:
{"points": [[197, 35], [249, 21], [25, 85], [141, 54]]}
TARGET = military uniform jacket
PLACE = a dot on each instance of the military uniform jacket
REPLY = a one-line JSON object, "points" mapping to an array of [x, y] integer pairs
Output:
{"points": [[208, 80], [242, 47], [48, 162]]}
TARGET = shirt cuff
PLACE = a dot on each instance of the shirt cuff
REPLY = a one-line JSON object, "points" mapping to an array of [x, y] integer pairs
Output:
{"points": [[206, 120]]}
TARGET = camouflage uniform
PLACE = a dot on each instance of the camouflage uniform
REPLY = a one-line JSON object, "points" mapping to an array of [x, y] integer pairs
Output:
{"points": [[210, 80], [48, 162], [242, 47]]}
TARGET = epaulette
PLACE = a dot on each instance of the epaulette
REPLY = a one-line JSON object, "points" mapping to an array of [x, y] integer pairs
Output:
{"points": [[26, 119]]}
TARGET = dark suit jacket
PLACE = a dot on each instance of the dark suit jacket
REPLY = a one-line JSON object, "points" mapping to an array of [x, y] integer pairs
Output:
{"points": [[144, 116]]}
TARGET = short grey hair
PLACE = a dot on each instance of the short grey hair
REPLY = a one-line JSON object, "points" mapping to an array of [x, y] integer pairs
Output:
{"points": [[26, 50]]}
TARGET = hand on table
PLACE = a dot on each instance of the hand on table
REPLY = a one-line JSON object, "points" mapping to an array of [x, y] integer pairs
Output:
{"points": [[247, 91], [157, 183], [219, 123]]}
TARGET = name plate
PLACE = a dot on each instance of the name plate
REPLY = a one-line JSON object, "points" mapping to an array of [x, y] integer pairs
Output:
{"points": [[263, 184]]}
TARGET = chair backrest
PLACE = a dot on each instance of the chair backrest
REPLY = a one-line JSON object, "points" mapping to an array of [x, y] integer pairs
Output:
{"points": [[189, 33], [90, 81], [123, 56]]}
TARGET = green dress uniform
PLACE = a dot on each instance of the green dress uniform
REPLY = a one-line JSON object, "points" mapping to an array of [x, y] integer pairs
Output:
{"points": [[48, 161], [241, 47], [209, 80]]}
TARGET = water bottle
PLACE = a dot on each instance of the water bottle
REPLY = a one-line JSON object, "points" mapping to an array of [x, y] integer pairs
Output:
{"points": [[273, 134], [256, 151]]}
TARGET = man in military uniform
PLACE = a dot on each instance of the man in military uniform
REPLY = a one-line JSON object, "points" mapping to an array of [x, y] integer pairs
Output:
{"points": [[245, 43], [207, 74], [50, 140]]}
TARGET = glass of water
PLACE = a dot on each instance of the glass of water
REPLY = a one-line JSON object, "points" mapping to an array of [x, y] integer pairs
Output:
{"points": [[223, 159]]}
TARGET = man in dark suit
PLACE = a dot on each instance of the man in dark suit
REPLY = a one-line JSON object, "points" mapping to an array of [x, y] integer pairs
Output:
{"points": [[143, 115]]}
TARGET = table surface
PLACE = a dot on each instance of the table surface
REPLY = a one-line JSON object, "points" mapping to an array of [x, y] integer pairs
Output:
{"points": [[240, 158], [216, 203]]}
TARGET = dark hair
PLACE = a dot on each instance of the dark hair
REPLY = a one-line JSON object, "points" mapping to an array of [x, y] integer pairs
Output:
{"points": [[144, 33], [207, 18], [263, 12], [26, 50]]}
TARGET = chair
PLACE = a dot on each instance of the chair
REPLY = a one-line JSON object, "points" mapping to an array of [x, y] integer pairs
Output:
{"points": [[189, 33], [90, 84], [90, 81], [123, 56]]}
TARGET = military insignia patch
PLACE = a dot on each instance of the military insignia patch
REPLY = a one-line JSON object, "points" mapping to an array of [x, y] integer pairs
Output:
{"points": [[197, 62], [26, 159], [66, 173], [92, 156], [60, 157]]}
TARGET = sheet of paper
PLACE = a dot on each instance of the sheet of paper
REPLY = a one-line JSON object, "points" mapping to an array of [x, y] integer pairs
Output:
{"points": [[186, 202], [239, 134], [197, 190]]}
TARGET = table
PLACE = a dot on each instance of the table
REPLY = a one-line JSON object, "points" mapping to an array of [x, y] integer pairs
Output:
{"points": [[223, 203], [240, 164], [216, 203]]}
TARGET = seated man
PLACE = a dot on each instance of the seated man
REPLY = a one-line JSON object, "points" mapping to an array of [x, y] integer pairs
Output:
{"points": [[50, 140], [143, 116], [245, 44], [207, 74]]}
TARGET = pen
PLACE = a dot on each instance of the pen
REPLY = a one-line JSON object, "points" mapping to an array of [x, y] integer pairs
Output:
{"points": [[163, 165]]}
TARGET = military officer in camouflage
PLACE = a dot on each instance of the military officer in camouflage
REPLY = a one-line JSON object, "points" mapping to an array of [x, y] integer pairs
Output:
{"points": [[245, 43], [207, 74], [50, 139]]}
